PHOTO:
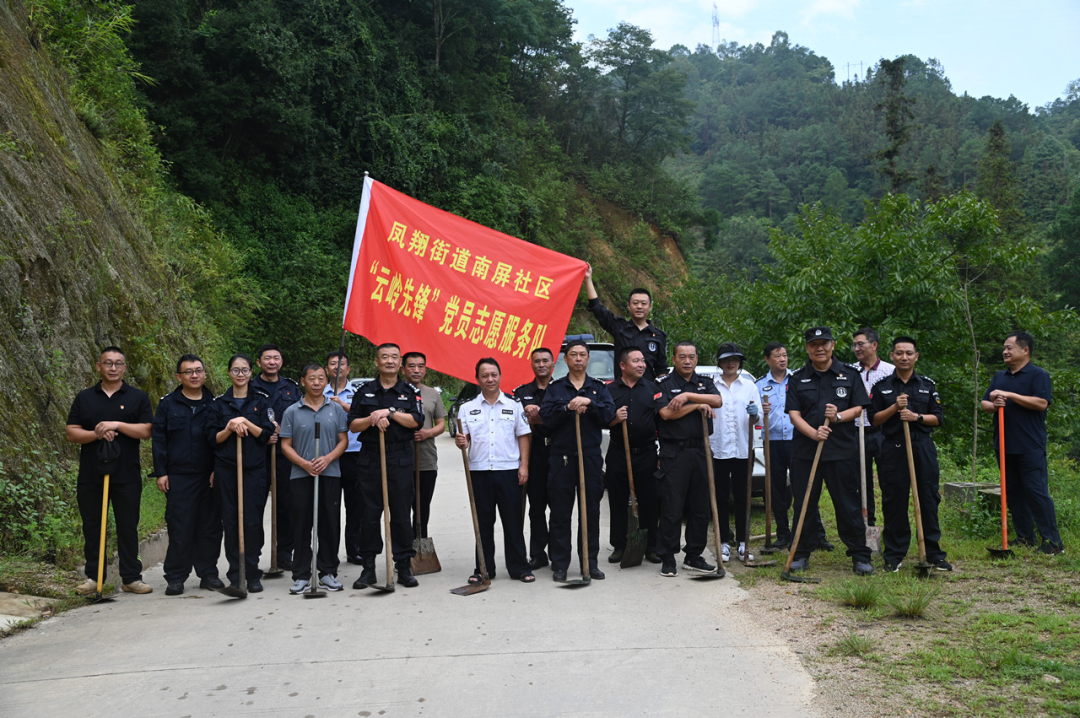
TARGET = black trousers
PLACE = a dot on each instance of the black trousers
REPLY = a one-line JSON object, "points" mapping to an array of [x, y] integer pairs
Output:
{"points": [[780, 465], [125, 499], [256, 490], [284, 501], [842, 478], [427, 492], [500, 489], [193, 515], [896, 492], [303, 495], [618, 485], [400, 494], [537, 491], [730, 475], [353, 501], [563, 491], [1027, 490], [683, 488], [873, 456]]}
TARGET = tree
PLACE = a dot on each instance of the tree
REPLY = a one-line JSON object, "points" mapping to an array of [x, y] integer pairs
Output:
{"points": [[996, 181], [1063, 259], [898, 113]]}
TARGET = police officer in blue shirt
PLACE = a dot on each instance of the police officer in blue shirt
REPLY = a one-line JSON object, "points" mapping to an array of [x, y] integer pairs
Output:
{"points": [[1024, 390], [576, 393], [184, 467], [283, 393], [340, 390]]}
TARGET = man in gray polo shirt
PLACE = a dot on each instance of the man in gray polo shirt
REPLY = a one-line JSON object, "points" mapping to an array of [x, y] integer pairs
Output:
{"points": [[434, 424], [298, 445]]}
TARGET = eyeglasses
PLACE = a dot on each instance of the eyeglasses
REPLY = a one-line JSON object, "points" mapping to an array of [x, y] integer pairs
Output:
{"points": [[860, 345], [113, 364], [193, 372], [239, 371]]}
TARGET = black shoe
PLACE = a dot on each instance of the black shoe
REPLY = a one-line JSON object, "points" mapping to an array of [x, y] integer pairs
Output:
{"points": [[697, 564], [616, 556], [175, 588], [782, 543], [825, 545], [536, 563], [668, 569], [800, 564], [653, 557], [405, 576], [862, 569], [255, 586], [367, 578], [943, 565], [558, 576], [1048, 548], [356, 561], [284, 561], [596, 574], [211, 583], [1025, 542], [894, 567]]}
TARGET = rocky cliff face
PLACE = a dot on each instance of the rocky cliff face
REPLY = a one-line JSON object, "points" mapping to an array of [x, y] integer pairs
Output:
{"points": [[78, 266]]}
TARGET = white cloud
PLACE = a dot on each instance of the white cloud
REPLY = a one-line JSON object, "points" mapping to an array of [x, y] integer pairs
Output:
{"points": [[841, 8]]}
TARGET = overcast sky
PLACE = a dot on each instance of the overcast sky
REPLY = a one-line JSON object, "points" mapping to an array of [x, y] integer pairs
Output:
{"points": [[988, 47]]}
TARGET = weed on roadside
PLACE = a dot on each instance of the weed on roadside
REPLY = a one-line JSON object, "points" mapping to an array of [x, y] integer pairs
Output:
{"points": [[853, 645], [911, 598], [857, 593]]}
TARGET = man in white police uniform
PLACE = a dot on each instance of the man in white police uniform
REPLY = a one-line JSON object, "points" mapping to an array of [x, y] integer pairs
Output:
{"points": [[497, 434]]}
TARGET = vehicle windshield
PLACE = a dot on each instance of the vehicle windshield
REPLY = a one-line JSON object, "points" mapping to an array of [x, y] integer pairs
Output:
{"points": [[601, 364]]}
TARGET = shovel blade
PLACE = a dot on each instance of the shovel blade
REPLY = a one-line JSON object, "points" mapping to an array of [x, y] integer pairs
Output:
{"points": [[426, 560], [385, 588], [711, 576], [759, 564], [769, 549], [233, 592], [788, 576], [634, 552], [873, 539], [96, 598], [471, 588], [1000, 552], [575, 583]]}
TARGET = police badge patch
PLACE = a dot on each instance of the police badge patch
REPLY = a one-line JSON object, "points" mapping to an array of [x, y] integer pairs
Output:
{"points": [[841, 391], [652, 346]]}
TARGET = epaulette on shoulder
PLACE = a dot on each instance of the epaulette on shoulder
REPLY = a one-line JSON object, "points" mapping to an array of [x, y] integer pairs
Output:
{"points": [[926, 378], [519, 388], [260, 390], [665, 377], [508, 395], [853, 367], [881, 379], [291, 381]]}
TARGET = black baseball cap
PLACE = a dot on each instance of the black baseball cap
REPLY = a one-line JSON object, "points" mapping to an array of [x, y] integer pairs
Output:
{"points": [[815, 333]]}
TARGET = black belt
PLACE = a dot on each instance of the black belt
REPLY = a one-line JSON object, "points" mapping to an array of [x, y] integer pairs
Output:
{"points": [[640, 450], [686, 443], [390, 448], [871, 429]]}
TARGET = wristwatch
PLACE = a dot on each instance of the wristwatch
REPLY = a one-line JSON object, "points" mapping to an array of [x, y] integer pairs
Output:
{"points": [[919, 420], [392, 410]]}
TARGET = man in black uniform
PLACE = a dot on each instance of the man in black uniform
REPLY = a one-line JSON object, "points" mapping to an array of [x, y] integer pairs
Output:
{"points": [[392, 406], [576, 393], [184, 467], [633, 332], [531, 396], [826, 388], [899, 397], [112, 410], [635, 405], [683, 480], [284, 392]]}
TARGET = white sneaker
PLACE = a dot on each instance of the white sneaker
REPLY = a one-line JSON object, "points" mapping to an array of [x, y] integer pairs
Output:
{"points": [[299, 586], [725, 551], [742, 552], [330, 583]]}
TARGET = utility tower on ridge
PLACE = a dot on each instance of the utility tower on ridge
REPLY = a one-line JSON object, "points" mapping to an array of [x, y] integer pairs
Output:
{"points": [[715, 28]]}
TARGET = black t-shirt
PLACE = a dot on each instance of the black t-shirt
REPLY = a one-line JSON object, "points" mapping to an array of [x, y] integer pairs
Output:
{"points": [[809, 391], [403, 396], [640, 403], [922, 399], [687, 428], [1025, 429], [532, 395], [93, 406]]}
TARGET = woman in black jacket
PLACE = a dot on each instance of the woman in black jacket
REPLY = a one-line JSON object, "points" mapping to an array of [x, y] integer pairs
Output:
{"points": [[241, 413]]}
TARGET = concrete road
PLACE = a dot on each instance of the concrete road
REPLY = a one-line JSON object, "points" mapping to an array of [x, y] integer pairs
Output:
{"points": [[634, 644]]}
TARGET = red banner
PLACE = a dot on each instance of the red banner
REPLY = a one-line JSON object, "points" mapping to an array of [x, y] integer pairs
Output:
{"points": [[433, 282]]}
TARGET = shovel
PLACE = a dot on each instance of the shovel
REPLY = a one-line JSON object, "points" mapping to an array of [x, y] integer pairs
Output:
{"points": [[274, 571], [485, 584], [389, 586], [1004, 551], [786, 574], [425, 560], [922, 566], [719, 572], [768, 548], [873, 533], [313, 585], [749, 489], [241, 590], [583, 512], [636, 537], [97, 597]]}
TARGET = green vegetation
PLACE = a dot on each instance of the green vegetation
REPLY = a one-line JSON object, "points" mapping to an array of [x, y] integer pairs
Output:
{"points": [[857, 593], [854, 645], [911, 598]]}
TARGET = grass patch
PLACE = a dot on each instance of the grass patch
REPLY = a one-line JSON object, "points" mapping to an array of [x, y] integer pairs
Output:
{"points": [[857, 593], [911, 598], [853, 645]]}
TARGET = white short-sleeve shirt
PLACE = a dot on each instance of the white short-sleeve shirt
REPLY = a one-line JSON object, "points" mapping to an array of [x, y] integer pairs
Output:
{"points": [[493, 430], [731, 428]]}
